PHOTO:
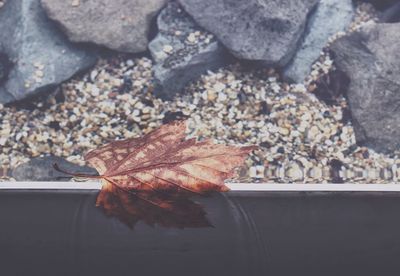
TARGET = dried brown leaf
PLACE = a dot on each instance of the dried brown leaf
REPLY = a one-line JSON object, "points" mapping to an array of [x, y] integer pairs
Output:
{"points": [[151, 178], [164, 161]]}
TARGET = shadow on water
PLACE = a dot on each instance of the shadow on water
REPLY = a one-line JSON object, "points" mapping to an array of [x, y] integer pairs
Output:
{"points": [[172, 210]]}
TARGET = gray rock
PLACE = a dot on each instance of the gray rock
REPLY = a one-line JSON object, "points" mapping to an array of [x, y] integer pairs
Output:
{"points": [[117, 24], [331, 17], [5, 66], [381, 4], [391, 14], [371, 60], [41, 169], [182, 51], [42, 57], [261, 30]]}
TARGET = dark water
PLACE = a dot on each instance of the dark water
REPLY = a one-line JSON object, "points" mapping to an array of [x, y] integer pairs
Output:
{"points": [[63, 233]]}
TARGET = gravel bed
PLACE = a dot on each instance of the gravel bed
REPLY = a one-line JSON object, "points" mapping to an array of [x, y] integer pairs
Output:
{"points": [[301, 139]]}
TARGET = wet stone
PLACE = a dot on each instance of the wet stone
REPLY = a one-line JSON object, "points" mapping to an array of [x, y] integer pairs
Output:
{"points": [[41, 169], [31, 32], [181, 56], [5, 67]]}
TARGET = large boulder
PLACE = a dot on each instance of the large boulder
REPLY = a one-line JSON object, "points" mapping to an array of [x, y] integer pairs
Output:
{"points": [[182, 51], [261, 30], [331, 17], [5, 66], [371, 60], [381, 4], [42, 57], [391, 14], [121, 25]]}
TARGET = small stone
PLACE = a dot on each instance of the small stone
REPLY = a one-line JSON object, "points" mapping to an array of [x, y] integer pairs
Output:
{"points": [[93, 75], [316, 173], [191, 38], [211, 95], [136, 112], [75, 3], [218, 87], [313, 132], [3, 141], [294, 172], [284, 131], [253, 172], [299, 88], [168, 49], [39, 73], [222, 97], [95, 91], [130, 63]]}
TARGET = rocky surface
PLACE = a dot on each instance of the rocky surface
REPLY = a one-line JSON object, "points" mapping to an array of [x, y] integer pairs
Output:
{"points": [[42, 57], [382, 4], [330, 18], [371, 60], [391, 14], [267, 31], [41, 169], [5, 66], [300, 138], [117, 24], [182, 50]]}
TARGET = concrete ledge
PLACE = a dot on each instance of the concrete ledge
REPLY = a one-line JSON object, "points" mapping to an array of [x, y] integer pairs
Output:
{"points": [[93, 185]]}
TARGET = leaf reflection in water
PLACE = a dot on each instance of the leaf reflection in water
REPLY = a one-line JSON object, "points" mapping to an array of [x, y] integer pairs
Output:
{"points": [[171, 210]]}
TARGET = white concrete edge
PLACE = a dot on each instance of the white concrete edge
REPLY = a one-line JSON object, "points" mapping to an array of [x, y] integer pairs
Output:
{"points": [[272, 187]]}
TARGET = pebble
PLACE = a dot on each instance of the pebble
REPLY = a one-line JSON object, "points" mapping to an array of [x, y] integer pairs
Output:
{"points": [[191, 38], [130, 63], [75, 3], [313, 132], [219, 87], [222, 97], [253, 172], [93, 75], [39, 73], [284, 131], [294, 172], [168, 49]]}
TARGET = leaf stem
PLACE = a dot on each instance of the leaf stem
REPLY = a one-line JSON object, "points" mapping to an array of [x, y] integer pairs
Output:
{"points": [[57, 168]]}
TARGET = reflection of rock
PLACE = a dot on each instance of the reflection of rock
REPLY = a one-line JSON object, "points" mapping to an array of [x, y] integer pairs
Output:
{"points": [[330, 17], [182, 51], [42, 56], [172, 210], [117, 24], [41, 169], [263, 30], [371, 60]]}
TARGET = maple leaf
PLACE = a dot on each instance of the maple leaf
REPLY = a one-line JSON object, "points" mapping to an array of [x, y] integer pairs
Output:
{"points": [[163, 160], [152, 177]]}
